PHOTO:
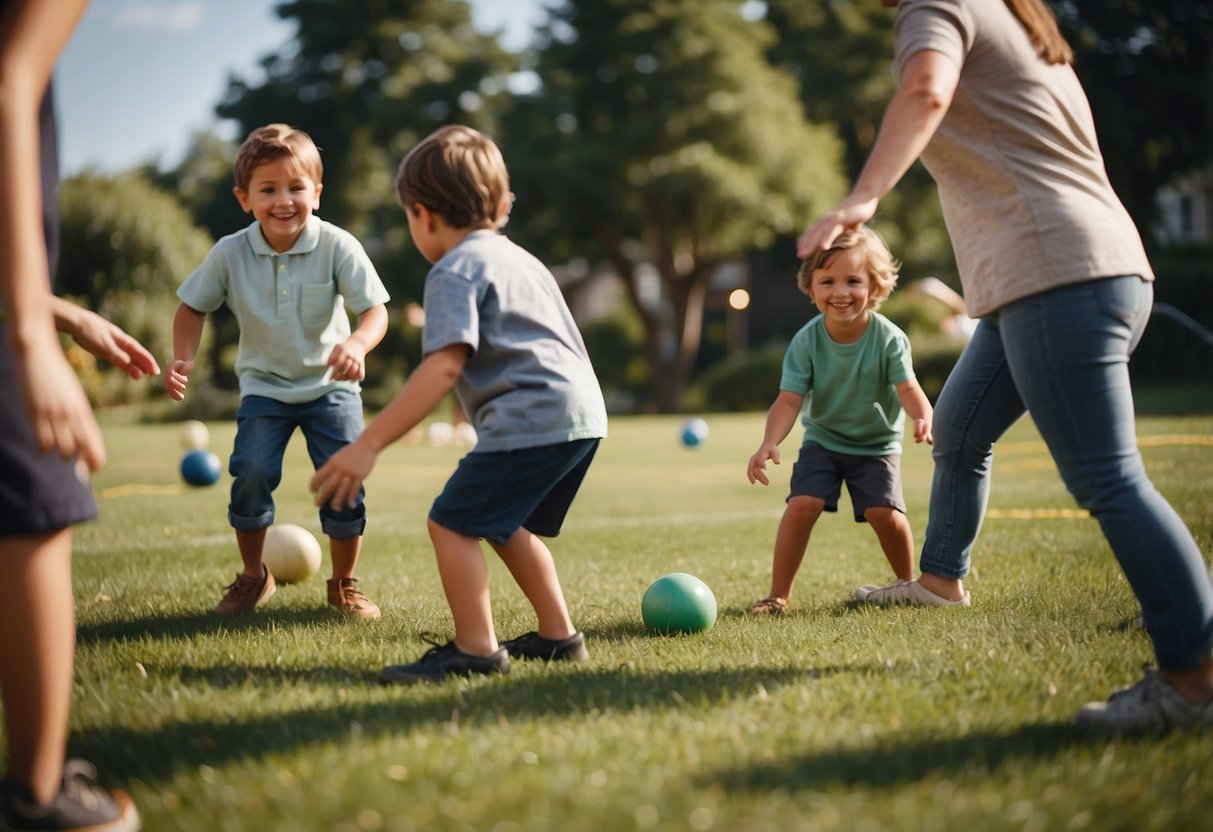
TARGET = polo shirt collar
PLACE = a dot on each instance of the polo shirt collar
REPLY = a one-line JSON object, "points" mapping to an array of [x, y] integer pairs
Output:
{"points": [[307, 241]]}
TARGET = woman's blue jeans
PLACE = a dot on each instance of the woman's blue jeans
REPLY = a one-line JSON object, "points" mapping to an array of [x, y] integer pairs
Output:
{"points": [[263, 427], [1063, 356]]}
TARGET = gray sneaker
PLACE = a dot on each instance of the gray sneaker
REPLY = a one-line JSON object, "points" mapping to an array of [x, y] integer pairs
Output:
{"points": [[911, 593], [78, 805], [1152, 705]]}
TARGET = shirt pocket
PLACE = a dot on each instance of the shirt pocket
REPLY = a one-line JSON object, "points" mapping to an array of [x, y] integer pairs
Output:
{"points": [[317, 302]]}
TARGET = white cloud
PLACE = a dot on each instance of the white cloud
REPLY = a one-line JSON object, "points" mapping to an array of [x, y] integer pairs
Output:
{"points": [[148, 17]]}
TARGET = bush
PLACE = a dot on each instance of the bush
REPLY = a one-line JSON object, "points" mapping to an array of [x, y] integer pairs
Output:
{"points": [[616, 347], [124, 248], [743, 383]]}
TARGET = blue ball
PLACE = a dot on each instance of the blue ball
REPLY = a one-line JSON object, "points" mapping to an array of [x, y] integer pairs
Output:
{"points": [[678, 603], [694, 432], [200, 467]]}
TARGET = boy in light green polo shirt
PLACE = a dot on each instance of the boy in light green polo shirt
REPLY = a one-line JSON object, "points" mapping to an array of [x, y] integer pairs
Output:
{"points": [[287, 278]]}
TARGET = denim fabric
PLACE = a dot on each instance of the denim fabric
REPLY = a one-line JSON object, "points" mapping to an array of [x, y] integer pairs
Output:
{"points": [[1063, 356], [263, 427]]}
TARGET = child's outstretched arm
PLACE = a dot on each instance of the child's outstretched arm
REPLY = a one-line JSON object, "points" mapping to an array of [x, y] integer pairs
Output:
{"points": [[780, 419], [915, 403], [348, 359], [187, 334], [338, 480]]}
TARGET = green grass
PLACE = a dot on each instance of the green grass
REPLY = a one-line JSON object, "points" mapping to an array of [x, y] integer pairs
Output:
{"points": [[835, 717]]}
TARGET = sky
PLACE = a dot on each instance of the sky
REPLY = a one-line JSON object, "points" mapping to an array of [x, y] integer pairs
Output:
{"points": [[140, 77]]}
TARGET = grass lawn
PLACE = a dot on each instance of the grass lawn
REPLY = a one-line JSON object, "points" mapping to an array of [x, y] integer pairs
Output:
{"points": [[835, 717]]}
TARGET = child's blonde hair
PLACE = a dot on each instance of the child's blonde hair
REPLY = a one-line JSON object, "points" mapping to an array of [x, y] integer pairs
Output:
{"points": [[457, 173], [276, 141], [877, 259]]}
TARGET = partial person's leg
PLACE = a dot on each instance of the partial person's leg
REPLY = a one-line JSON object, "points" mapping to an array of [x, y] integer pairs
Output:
{"points": [[791, 541], [978, 404], [263, 428], [1069, 352], [530, 562], [36, 614], [329, 424], [465, 580], [896, 539]]}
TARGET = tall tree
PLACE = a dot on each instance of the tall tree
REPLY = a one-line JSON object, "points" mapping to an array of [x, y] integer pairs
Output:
{"points": [[841, 53], [367, 79], [1148, 71], [661, 139]]}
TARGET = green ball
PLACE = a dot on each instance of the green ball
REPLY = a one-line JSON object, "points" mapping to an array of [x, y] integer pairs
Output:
{"points": [[678, 603]]}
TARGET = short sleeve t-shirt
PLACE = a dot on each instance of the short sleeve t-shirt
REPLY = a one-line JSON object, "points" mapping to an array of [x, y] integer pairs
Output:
{"points": [[852, 406], [1021, 178], [291, 306], [528, 381]]}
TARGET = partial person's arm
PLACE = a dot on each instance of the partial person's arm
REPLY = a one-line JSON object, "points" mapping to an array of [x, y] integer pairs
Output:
{"points": [[103, 338], [928, 82], [187, 335], [32, 35], [916, 404], [348, 359], [780, 419], [338, 480]]}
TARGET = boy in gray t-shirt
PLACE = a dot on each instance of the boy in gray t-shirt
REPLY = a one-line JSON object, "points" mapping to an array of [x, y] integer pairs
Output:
{"points": [[499, 334]]}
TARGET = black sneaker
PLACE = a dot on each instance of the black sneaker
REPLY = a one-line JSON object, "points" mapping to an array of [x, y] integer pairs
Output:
{"points": [[445, 660], [78, 805], [534, 646]]}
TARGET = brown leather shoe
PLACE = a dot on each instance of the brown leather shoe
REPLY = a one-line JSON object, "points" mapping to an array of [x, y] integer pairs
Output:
{"points": [[345, 596], [246, 593]]}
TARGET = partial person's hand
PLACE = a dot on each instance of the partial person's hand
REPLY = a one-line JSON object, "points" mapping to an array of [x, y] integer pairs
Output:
{"points": [[922, 432], [844, 217], [756, 470], [348, 361], [59, 412], [339, 480], [107, 340], [176, 378]]}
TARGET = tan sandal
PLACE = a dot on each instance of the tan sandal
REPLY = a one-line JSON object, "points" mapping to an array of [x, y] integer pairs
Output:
{"points": [[769, 606]]}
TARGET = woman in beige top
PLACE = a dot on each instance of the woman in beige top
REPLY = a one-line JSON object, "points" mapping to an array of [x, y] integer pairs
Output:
{"points": [[1053, 266]]}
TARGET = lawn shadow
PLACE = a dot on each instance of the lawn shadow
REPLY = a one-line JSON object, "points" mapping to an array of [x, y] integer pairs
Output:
{"points": [[532, 692], [903, 761], [161, 626]]}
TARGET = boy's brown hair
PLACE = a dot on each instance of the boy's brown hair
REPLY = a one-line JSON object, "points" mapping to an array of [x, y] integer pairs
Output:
{"points": [[457, 173], [877, 259], [275, 141]]}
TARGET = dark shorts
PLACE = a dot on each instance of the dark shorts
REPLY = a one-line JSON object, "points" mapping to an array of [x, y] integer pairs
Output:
{"points": [[39, 492], [872, 481], [493, 494]]}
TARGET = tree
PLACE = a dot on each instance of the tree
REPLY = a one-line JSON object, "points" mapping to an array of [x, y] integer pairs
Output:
{"points": [[1148, 71], [841, 53], [367, 79], [661, 140]]}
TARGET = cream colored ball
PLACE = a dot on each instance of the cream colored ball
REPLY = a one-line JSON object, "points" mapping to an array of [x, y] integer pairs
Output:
{"points": [[194, 435], [291, 553]]}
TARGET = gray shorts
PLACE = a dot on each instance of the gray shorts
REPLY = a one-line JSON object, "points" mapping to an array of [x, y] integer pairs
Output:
{"points": [[39, 492], [872, 481]]}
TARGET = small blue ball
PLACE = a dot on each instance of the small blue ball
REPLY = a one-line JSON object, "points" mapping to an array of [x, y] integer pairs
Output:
{"points": [[200, 467], [694, 432]]}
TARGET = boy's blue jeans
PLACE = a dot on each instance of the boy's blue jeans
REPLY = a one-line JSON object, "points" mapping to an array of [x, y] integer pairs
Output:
{"points": [[263, 427], [1063, 356]]}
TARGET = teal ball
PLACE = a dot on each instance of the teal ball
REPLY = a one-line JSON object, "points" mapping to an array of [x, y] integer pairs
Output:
{"points": [[694, 432], [678, 603], [200, 467]]}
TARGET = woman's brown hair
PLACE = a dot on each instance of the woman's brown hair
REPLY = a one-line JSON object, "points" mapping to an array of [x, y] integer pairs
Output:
{"points": [[1041, 26]]}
